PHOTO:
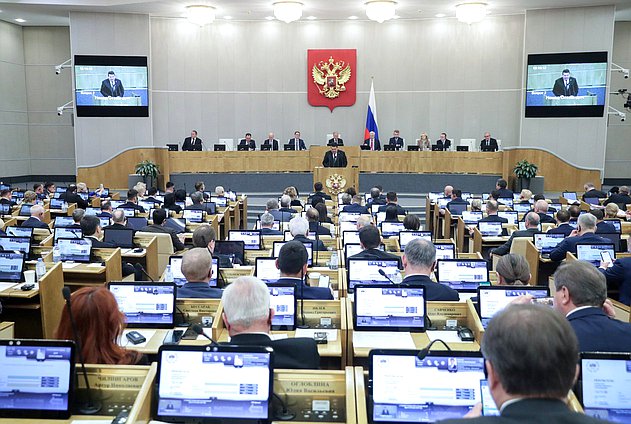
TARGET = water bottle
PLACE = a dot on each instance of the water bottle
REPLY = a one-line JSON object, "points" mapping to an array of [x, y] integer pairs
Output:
{"points": [[64, 207], [40, 269], [396, 277], [333, 264], [56, 254], [168, 274]]}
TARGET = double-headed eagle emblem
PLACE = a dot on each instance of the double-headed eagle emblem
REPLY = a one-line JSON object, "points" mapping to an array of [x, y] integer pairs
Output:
{"points": [[330, 77], [335, 183]]}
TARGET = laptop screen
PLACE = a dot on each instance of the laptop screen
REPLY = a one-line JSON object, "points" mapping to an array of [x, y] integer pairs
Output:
{"points": [[389, 308], [351, 249], [445, 250], [11, 266], [251, 239], [522, 207], [471, 217], [570, 195], [406, 236], [38, 378], [235, 250], [146, 305], [119, 237], [222, 202], [407, 389], [19, 231], [591, 252], [137, 223], [349, 216], [179, 279], [65, 232], [104, 221], [511, 216], [283, 301], [77, 250], [5, 208], [309, 246], [266, 270], [63, 221], [506, 201], [179, 225], [211, 208], [366, 271], [457, 208], [606, 378], [614, 238], [462, 274], [492, 299], [546, 243], [129, 212], [56, 203], [350, 237], [490, 229], [25, 210], [202, 382], [91, 211], [193, 215], [17, 244], [615, 223]]}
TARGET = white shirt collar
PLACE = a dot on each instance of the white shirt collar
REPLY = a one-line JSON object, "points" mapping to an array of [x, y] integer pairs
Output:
{"points": [[510, 402], [577, 309]]}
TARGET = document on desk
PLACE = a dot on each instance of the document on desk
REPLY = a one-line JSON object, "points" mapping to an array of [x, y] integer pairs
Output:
{"points": [[448, 336], [148, 334], [382, 339], [69, 265], [331, 335], [5, 286]]}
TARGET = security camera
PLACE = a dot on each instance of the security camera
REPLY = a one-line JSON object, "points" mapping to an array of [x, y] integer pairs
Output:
{"points": [[622, 116], [626, 74], [58, 69], [60, 111]]}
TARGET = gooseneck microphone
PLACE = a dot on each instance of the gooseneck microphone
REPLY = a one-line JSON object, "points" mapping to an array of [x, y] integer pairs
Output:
{"points": [[140, 270], [200, 332], [303, 324], [383, 274], [91, 407]]}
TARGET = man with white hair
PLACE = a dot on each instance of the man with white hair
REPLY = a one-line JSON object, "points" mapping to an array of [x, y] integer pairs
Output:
{"points": [[299, 228], [285, 205], [197, 268], [541, 208], [584, 233], [267, 224], [272, 207], [35, 220], [248, 317]]}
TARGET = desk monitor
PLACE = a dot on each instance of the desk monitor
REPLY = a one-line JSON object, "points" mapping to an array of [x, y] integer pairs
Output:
{"points": [[604, 383], [38, 379], [351, 249], [104, 221], [195, 216], [442, 202], [349, 216], [266, 147], [147, 205], [19, 231], [145, 304], [16, 244], [391, 229], [211, 208], [436, 148], [490, 229], [506, 201], [66, 232], [388, 307], [309, 246], [614, 238], [25, 210], [457, 208], [463, 275], [522, 207], [235, 250], [350, 237], [283, 301], [222, 202], [219, 147], [289, 147], [465, 148], [137, 223], [592, 200], [471, 217], [179, 225], [11, 267], [413, 148], [266, 271], [407, 236], [380, 217], [123, 237], [487, 149], [346, 226], [366, 271], [116, 203], [570, 196], [615, 223], [288, 237], [445, 250], [173, 147], [74, 249], [590, 252], [180, 280], [63, 221], [5, 209], [440, 386], [251, 238], [18, 195], [492, 299], [511, 216], [92, 211], [204, 383], [547, 242], [129, 212], [374, 208]]}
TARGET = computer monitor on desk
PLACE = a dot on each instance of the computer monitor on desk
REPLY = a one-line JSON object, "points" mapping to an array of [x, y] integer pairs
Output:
{"points": [[604, 383], [251, 238], [366, 271], [389, 148], [413, 148], [219, 147], [471, 217], [547, 242], [123, 237], [66, 232], [490, 229], [16, 244], [145, 304], [492, 299], [407, 236], [591, 252], [283, 301], [463, 275], [388, 307], [173, 147], [11, 267], [289, 147]]}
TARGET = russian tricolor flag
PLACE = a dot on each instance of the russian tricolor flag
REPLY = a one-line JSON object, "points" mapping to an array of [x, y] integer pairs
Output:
{"points": [[371, 115]]}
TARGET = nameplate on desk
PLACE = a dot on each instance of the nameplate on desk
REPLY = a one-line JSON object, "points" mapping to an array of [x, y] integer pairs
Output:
{"points": [[105, 381], [311, 387], [209, 307], [446, 310]]}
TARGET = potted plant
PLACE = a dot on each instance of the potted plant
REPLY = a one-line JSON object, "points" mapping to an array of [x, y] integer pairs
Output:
{"points": [[149, 171], [524, 171]]}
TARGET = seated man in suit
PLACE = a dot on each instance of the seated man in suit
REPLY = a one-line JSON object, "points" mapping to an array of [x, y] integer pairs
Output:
{"points": [[198, 270], [584, 233], [601, 225], [77, 214], [270, 141], [395, 140], [197, 199], [248, 141], [313, 218], [336, 139], [541, 209], [563, 226], [531, 356], [620, 198], [272, 208], [299, 229], [443, 142], [297, 142], [334, 158], [292, 263], [192, 143], [152, 192], [356, 205], [491, 213], [285, 204], [118, 220], [35, 220], [591, 192], [581, 291], [91, 229], [372, 142], [317, 187], [370, 239], [159, 218], [248, 319], [5, 198], [132, 201], [419, 261], [267, 224], [532, 227], [392, 200], [204, 236], [71, 196], [502, 191], [106, 210], [375, 198], [488, 143], [618, 275]]}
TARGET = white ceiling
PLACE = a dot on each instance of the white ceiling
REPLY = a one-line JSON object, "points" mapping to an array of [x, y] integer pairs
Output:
{"points": [[55, 12]]}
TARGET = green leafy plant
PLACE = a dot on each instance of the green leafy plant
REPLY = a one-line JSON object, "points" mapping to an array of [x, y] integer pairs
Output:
{"points": [[148, 169], [525, 169]]}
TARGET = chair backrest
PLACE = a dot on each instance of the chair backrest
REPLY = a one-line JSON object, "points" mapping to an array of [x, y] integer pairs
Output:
{"points": [[518, 246], [165, 248], [546, 226]]}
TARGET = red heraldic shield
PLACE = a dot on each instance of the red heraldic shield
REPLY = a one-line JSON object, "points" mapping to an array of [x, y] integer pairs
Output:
{"points": [[331, 76]]}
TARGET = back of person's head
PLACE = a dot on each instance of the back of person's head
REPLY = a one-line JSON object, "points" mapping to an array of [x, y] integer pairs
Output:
{"points": [[159, 216], [246, 302], [346, 199], [200, 186], [5, 192], [72, 188], [369, 237], [292, 257], [456, 193], [322, 212], [37, 210], [411, 222], [271, 204], [77, 214], [106, 206], [532, 350], [611, 210], [30, 197], [291, 192], [541, 206], [391, 196], [37, 186], [532, 220], [118, 217], [476, 204], [82, 187], [315, 200], [285, 201], [180, 195], [351, 191], [587, 222], [574, 211], [392, 213], [624, 190], [501, 183], [141, 188], [169, 185], [99, 324], [89, 224], [538, 197], [420, 253], [152, 191], [267, 220], [598, 213], [203, 235], [584, 283], [588, 186], [563, 215], [219, 191], [513, 269], [196, 264], [317, 186], [48, 185], [525, 194], [357, 199], [313, 215], [363, 221], [298, 226], [132, 194], [491, 206], [197, 197], [374, 192]]}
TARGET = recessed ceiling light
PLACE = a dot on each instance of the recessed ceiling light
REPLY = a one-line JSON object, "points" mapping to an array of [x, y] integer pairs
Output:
{"points": [[440, 15], [20, 20], [353, 17], [311, 18], [227, 17], [269, 18]]}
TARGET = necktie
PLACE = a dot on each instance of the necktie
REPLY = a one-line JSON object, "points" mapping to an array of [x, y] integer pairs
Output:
{"points": [[372, 144], [334, 158]]}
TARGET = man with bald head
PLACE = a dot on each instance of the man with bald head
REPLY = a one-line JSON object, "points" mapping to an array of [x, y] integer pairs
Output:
{"points": [[488, 144], [447, 191], [198, 270], [35, 220], [270, 141], [541, 209], [532, 227]]}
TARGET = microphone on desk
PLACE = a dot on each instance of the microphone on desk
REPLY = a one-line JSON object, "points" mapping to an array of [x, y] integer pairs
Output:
{"points": [[139, 271], [383, 274], [425, 351], [200, 332], [283, 413], [91, 407], [303, 324]]}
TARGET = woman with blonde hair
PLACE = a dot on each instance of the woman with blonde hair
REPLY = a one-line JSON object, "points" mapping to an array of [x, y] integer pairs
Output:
{"points": [[424, 142], [512, 269], [293, 195]]}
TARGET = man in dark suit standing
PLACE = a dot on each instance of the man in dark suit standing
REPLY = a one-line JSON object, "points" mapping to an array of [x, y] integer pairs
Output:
{"points": [[198, 270], [532, 227], [292, 263], [248, 318], [581, 291], [371, 142], [112, 86], [248, 141], [419, 261], [334, 158], [443, 142], [566, 85], [192, 143], [530, 354], [270, 141], [297, 142], [336, 139], [35, 220], [488, 143], [395, 140]]}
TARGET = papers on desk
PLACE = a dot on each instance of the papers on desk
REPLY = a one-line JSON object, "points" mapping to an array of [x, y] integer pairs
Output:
{"points": [[448, 336], [382, 339], [95, 265], [148, 334], [5, 286], [19, 287], [331, 335], [69, 265], [279, 336]]}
